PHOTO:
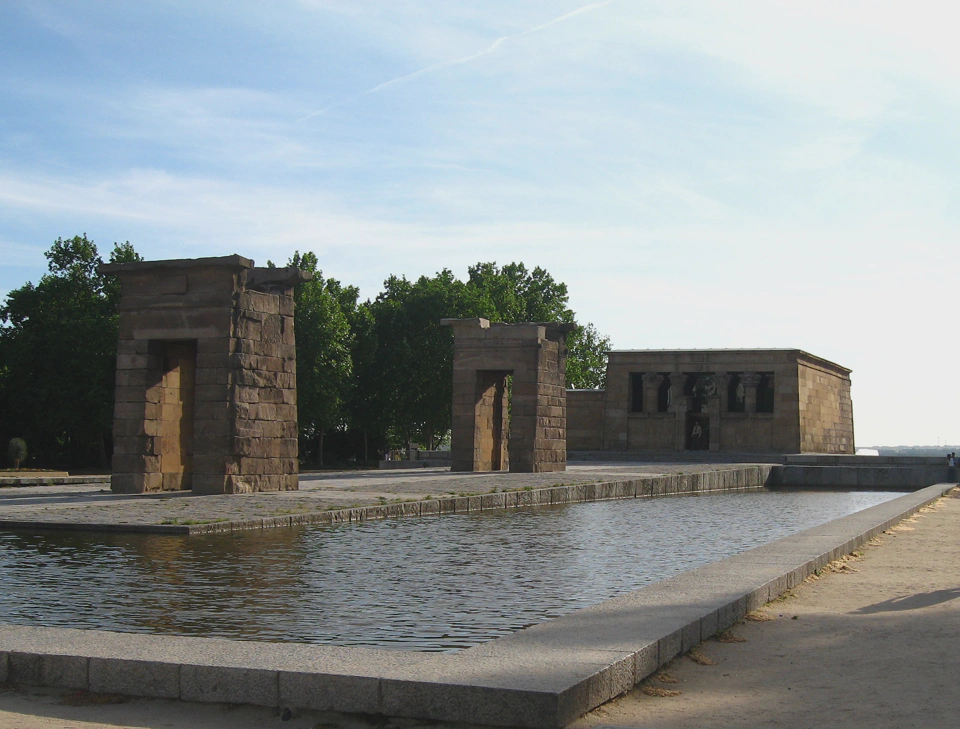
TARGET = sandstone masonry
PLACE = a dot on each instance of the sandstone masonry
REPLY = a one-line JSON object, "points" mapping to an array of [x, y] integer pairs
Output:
{"points": [[773, 400], [495, 430], [206, 394]]}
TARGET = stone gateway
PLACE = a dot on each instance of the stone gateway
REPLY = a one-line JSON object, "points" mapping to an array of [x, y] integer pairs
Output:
{"points": [[494, 429], [206, 395], [727, 400]]}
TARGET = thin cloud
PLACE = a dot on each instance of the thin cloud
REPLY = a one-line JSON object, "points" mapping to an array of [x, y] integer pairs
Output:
{"points": [[456, 61]]}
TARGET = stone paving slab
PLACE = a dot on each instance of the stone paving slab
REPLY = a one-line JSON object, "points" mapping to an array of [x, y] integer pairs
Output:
{"points": [[351, 495], [542, 677]]}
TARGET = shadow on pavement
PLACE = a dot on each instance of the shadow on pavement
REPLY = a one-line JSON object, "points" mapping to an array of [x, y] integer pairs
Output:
{"points": [[913, 602]]}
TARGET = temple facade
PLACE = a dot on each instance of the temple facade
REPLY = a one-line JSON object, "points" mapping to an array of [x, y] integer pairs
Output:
{"points": [[733, 400]]}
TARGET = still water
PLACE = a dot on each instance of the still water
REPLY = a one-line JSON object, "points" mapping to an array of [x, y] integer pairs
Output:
{"points": [[433, 583]]}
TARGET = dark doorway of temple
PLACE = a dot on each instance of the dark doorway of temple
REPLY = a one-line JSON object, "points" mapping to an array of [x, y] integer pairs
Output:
{"points": [[178, 386], [698, 432]]}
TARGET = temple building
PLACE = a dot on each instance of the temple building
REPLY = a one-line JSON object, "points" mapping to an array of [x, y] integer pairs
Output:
{"points": [[725, 400]]}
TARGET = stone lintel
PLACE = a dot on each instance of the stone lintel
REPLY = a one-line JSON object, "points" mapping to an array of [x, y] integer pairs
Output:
{"points": [[234, 261]]}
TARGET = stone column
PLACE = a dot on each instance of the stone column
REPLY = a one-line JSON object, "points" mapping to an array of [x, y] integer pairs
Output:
{"points": [[750, 381], [717, 405], [651, 391], [723, 391], [679, 406]]}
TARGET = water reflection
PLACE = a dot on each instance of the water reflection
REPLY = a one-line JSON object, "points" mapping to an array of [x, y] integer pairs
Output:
{"points": [[435, 583]]}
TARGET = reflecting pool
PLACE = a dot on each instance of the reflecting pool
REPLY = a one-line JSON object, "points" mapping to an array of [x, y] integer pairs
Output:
{"points": [[429, 583]]}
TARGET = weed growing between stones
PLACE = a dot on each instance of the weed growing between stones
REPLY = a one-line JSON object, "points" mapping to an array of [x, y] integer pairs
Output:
{"points": [[659, 692], [726, 636], [701, 660]]}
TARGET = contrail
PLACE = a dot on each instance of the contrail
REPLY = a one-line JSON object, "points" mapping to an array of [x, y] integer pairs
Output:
{"points": [[456, 61]]}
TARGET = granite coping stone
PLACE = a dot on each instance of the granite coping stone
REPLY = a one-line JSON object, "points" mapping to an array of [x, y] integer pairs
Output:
{"points": [[542, 677], [54, 480]]}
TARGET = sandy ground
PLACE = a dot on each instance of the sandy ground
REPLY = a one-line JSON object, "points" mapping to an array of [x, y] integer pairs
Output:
{"points": [[873, 642]]}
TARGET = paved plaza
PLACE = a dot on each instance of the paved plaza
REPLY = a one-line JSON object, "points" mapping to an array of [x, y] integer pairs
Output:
{"points": [[321, 491]]}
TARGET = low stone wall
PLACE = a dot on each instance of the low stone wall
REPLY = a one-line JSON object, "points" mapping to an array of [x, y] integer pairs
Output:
{"points": [[584, 420], [878, 477], [596, 456], [435, 458], [722, 479], [825, 459], [58, 480], [718, 479], [542, 677], [396, 465]]}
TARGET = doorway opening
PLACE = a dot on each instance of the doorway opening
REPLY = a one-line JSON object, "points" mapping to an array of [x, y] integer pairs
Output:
{"points": [[698, 432], [492, 429], [178, 362]]}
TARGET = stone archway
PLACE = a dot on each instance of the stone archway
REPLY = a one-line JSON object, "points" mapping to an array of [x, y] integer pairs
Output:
{"points": [[526, 433]]}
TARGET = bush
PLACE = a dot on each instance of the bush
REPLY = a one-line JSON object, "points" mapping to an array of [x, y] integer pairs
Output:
{"points": [[17, 450]]}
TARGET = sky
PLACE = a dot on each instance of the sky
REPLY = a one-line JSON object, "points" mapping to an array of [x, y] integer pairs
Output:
{"points": [[700, 174]]}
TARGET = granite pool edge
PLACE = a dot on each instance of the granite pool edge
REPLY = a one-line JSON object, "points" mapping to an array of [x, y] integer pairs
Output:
{"points": [[543, 677], [738, 478]]}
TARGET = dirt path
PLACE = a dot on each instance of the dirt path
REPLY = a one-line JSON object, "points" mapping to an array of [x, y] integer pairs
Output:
{"points": [[875, 644]]}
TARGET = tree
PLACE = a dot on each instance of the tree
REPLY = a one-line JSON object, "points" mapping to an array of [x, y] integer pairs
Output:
{"points": [[408, 364], [324, 341], [58, 349], [404, 358], [513, 294], [587, 358]]}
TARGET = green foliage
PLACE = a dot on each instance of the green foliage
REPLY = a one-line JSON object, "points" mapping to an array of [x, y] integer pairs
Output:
{"points": [[17, 451], [324, 343], [512, 294], [382, 368], [587, 358], [407, 365], [404, 358], [60, 336]]}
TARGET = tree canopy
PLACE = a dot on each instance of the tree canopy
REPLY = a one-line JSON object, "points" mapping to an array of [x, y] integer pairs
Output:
{"points": [[370, 374], [58, 348], [324, 356]]}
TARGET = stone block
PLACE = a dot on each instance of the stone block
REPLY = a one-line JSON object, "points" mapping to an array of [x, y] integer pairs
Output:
{"points": [[669, 647], [690, 636], [327, 692], [210, 483], [469, 704], [68, 672], [709, 625], [25, 668], [645, 661]]}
